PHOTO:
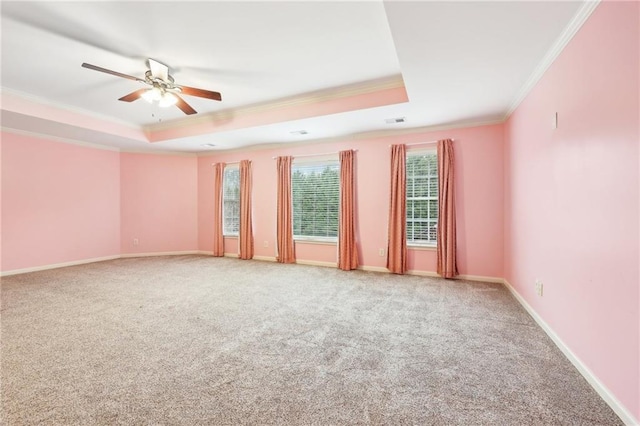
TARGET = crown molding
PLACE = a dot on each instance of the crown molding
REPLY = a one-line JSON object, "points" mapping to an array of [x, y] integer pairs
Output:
{"points": [[38, 100], [309, 98], [424, 129], [258, 147], [94, 145], [154, 152], [565, 37], [58, 139], [377, 134]]}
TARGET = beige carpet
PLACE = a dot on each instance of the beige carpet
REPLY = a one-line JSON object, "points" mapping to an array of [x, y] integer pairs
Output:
{"points": [[197, 340]]}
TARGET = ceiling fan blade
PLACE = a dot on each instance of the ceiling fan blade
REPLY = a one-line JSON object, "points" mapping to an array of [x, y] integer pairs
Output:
{"points": [[159, 70], [117, 74], [185, 107], [133, 95], [192, 91]]}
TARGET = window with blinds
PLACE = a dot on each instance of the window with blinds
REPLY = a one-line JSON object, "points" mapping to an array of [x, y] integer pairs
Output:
{"points": [[422, 197], [231, 201], [316, 200]]}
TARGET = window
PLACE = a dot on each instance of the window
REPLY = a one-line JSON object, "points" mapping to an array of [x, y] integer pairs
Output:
{"points": [[316, 200], [231, 201], [422, 197]]}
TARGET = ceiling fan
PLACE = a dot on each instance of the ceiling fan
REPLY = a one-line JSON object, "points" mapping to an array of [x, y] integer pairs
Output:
{"points": [[162, 87]]}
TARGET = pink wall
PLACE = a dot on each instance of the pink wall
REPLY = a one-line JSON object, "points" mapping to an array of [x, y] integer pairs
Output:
{"points": [[64, 203], [1, 204], [158, 203], [533, 203], [60, 202], [479, 163], [571, 198]]}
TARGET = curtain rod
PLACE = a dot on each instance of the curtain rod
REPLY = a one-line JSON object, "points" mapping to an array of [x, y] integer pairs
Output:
{"points": [[315, 155], [230, 162], [422, 143]]}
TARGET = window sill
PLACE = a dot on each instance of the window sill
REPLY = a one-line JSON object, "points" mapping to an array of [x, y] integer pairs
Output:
{"points": [[311, 240], [233, 237], [421, 247]]}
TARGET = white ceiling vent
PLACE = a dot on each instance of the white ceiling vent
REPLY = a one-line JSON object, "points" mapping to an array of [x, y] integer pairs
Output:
{"points": [[300, 132], [394, 120]]}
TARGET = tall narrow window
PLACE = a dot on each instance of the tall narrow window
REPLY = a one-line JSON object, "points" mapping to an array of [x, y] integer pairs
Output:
{"points": [[316, 200], [231, 201], [422, 198]]}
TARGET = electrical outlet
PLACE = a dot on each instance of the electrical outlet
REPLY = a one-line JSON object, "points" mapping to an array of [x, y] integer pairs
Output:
{"points": [[539, 287], [381, 252], [265, 244], [135, 242]]}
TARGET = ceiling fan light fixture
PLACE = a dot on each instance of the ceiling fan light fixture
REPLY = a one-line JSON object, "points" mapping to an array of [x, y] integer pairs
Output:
{"points": [[153, 94], [168, 99]]}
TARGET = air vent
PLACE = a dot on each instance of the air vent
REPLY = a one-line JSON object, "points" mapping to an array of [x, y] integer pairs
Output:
{"points": [[299, 132], [209, 145], [394, 120]]}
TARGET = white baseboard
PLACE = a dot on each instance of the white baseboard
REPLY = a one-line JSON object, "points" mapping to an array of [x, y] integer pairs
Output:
{"points": [[161, 253], [373, 269], [210, 253], [433, 274], [599, 387], [316, 263], [480, 278], [57, 265], [235, 255], [591, 378], [92, 260], [265, 258], [423, 273]]}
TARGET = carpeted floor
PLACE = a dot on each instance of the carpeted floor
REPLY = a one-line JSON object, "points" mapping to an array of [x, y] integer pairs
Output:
{"points": [[197, 340]]}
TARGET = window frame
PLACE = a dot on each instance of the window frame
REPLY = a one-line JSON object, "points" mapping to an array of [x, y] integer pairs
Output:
{"points": [[421, 244], [323, 161], [225, 231]]}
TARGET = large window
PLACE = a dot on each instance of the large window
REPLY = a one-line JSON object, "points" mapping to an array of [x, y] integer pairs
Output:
{"points": [[231, 201], [316, 200], [422, 197]]}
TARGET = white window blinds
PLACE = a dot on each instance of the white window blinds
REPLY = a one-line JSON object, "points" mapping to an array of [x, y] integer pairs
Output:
{"points": [[316, 199], [231, 200], [422, 197]]}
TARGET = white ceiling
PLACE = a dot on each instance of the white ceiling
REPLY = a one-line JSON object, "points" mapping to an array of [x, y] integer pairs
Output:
{"points": [[461, 62]]}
